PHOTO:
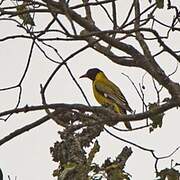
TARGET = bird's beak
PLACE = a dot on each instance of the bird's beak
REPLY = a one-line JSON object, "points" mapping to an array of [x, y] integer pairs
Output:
{"points": [[83, 76]]}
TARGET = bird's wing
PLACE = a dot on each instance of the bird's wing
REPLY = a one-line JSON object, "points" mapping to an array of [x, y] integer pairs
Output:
{"points": [[109, 90]]}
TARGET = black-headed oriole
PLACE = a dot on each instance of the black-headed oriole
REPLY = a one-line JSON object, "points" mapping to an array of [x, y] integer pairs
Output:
{"points": [[107, 93]]}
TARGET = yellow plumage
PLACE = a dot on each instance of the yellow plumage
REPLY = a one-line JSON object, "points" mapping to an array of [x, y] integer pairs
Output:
{"points": [[107, 93]]}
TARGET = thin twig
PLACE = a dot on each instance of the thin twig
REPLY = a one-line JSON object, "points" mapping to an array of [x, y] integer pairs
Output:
{"points": [[70, 72]]}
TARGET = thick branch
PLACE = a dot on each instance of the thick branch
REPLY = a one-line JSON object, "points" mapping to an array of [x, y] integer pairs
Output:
{"points": [[97, 109]]}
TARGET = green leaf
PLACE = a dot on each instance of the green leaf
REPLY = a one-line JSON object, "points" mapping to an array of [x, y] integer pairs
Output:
{"points": [[157, 118], [26, 17], [160, 3], [169, 174]]}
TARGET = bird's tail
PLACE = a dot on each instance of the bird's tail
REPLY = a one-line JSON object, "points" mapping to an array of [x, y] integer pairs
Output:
{"points": [[123, 111], [128, 125]]}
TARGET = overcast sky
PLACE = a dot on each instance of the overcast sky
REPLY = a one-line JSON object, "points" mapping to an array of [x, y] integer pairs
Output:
{"points": [[27, 156]]}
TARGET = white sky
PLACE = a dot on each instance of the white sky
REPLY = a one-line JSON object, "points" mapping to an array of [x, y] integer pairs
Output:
{"points": [[28, 156]]}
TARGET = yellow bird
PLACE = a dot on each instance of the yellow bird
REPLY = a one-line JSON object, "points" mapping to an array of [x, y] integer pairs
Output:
{"points": [[107, 93]]}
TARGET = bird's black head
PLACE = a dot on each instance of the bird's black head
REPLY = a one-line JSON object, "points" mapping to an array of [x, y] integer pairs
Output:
{"points": [[91, 73]]}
